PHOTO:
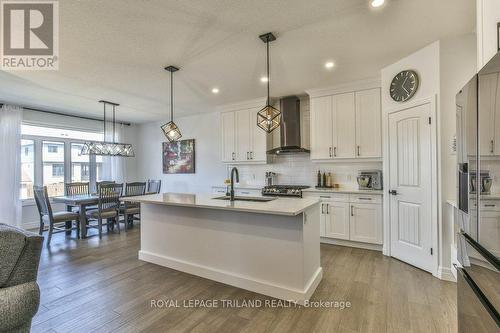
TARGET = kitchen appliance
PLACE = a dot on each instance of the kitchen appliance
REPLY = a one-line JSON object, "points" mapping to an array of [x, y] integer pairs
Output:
{"points": [[284, 190], [271, 178], [477, 219], [289, 128], [370, 180], [484, 182]]}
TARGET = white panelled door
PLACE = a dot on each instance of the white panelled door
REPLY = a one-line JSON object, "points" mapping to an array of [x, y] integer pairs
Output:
{"points": [[410, 185]]}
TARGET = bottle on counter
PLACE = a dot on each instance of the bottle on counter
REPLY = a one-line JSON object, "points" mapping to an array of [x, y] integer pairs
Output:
{"points": [[324, 180], [329, 180], [318, 183]]}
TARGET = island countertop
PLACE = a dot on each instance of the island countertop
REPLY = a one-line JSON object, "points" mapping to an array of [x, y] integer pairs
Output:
{"points": [[278, 206]]}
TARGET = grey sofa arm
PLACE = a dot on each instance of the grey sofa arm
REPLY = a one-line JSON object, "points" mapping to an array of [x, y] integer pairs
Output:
{"points": [[18, 304]]}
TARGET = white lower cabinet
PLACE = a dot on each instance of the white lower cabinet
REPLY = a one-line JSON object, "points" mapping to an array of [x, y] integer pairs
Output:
{"points": [[335, 219], [365, 223], [352, 217]]}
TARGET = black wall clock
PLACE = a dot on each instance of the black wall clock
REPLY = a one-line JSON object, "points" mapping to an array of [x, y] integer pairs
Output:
{"points": [[404, 85]]}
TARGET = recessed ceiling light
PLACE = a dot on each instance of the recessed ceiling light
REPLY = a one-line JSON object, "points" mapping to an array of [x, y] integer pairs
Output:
{"points": [[329, 65], [215, 90], [263, 79], [377, 3]]}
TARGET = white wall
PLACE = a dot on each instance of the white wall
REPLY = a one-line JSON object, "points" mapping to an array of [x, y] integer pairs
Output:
{"points": [[205, 129], [488, 15]]}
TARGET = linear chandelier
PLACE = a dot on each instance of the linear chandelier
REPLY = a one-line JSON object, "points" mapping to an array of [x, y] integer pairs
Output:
{"points": [[268, 118], [107, 148], [170, 129]]}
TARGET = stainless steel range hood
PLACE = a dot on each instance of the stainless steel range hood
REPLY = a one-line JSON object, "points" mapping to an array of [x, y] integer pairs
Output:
{"points": [[289, 128]]}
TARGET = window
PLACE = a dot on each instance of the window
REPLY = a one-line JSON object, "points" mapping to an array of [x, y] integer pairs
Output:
{"points": [[52, 148], [53, 168], [27, 168], [80, 164], [51, 157]]}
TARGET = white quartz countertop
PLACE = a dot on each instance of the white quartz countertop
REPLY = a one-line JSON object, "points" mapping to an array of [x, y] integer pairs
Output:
{"points": [[279, 206], [343, 190]]}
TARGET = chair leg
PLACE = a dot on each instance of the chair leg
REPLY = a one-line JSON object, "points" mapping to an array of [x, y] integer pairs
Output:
{"points": [[77, 229], [51, 228], [40, 232], [125, 221], [99, 223], [116, 221]]}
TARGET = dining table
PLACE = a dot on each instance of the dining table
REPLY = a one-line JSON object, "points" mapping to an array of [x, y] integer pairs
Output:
{"points": [[82, 201]]}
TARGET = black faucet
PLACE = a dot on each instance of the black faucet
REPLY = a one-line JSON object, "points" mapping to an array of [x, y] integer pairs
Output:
{"points": [[231, 192]]}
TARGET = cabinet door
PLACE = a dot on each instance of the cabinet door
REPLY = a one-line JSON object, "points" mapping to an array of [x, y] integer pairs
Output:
{"points": [[322, 219], [228, 136], [258, 151], [344, 128], [487, 101], [243, 135], [368, 124], [496, 148], [365, 223], [321, 127], [489, 231], [337, 220]]}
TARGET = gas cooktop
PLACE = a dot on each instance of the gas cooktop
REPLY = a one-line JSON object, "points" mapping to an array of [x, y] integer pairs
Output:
{"points": [[284, 190]]}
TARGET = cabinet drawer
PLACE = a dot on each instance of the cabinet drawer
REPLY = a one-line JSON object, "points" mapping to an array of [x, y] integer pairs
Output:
{"points": [[365, 198], [245, 192], [337, 197]]}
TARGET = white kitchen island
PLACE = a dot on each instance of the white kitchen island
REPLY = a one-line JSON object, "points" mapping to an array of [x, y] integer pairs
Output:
{"points": [[270, 248]]}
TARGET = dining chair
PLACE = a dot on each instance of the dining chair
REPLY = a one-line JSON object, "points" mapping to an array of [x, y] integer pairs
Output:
{"points": [[104, 182], [154, 186], [108, 207], [76, 188], [129, 209], [54, 219]]}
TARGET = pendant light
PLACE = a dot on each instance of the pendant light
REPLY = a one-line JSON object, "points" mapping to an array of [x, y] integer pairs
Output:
{"points": [[170, 129], [269, 118], [108, 148]]}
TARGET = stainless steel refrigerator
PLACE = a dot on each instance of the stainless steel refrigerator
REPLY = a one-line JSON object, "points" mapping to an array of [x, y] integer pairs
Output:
{"points": [[478, 220]]}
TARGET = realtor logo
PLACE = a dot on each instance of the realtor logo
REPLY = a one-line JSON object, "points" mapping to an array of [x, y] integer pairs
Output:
{"points": [[30, 35]]}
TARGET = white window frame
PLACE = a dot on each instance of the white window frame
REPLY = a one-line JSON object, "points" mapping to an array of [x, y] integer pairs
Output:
{"points": [[38, 161]]}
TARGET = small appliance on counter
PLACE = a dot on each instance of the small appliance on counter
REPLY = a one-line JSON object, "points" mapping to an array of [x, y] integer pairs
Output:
{"points": [[284, 190], [484, 181], [370, 180], [271, 178]]}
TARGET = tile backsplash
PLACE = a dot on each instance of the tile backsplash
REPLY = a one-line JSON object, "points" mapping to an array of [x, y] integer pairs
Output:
{"points": [[299, 170]]}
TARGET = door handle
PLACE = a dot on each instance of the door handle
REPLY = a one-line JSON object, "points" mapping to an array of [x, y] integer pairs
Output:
{"points": [[393, 192]]}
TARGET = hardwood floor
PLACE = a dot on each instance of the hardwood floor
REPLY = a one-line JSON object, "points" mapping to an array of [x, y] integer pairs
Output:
{"points": [[93, 285]]}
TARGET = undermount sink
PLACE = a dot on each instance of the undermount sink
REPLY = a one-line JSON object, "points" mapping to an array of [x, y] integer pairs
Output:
{"points": [[253, 199]]}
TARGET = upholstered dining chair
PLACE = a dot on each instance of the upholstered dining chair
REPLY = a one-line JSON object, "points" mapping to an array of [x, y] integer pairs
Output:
{"points": [[54, 219], [154, 186], [129, 210], [108, 208]]}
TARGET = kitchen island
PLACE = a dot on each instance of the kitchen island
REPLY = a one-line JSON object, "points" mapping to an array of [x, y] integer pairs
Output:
{"points": [[269, 247]]}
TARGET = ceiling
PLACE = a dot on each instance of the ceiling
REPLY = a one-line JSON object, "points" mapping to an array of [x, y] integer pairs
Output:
{"points": [[116, 50]]}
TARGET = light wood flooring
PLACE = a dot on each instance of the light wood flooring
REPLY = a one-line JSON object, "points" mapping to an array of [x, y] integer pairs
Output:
{"points": [[93, 285]]}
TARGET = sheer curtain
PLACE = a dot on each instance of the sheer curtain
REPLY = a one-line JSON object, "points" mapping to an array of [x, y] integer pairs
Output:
{"points": [[113, 167], [10, 164]]}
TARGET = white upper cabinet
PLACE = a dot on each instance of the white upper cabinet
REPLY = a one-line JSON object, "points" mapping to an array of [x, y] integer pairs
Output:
{"points": [[243, 142], [368, 124], [321, 128], [344, 121], [487, 105], [228, 136], [346, 126]]}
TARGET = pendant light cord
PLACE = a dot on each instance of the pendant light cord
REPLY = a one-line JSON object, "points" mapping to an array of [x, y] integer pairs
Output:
{"points": [[171, 96], [104, 134], [268, 78], [114, 124]]}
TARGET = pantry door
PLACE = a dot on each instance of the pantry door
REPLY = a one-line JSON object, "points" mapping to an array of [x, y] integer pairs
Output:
{"points": [[410, 186]]}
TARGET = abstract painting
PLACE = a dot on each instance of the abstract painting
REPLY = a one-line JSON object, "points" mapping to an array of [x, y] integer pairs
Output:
{"points": [[179, 157]]}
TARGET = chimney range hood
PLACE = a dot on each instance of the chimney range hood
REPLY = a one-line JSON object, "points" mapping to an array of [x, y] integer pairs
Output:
{"points": [[289, 128]]}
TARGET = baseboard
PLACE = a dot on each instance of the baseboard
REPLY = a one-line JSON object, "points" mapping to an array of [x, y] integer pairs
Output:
{"points": [[31, 225], [236, 280], [445, 273], [359, 245]]}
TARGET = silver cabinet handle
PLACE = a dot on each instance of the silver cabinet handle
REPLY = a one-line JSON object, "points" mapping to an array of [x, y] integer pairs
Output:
{"points": [[352, 211], [492, 146], [358, 151], [325, 196], [251, 155], [322, 208], [330, 151], [334, 151], [365, 199], [248, 155], [328, 208], [233, 155], [489, 205]]}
